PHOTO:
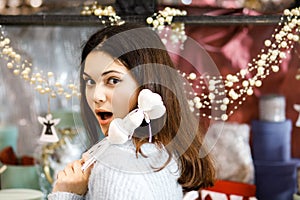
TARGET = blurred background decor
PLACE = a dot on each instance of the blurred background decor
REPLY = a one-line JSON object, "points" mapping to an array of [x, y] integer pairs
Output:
{"points": [[40, 46]]}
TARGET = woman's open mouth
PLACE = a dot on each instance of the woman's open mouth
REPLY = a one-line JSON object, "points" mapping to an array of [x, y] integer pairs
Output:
{"points": [[104, 117]]}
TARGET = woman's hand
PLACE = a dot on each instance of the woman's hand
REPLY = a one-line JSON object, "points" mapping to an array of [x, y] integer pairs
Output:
{"points": [[72, 179]]}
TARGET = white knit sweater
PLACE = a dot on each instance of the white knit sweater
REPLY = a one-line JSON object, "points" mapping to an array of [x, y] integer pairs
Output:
{"points": [[108, 182]]}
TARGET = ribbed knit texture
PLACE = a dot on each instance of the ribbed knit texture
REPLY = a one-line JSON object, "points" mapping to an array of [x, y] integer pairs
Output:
{"points": [[107, 183]]}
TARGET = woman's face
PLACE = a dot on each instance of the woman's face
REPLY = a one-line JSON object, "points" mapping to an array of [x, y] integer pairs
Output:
{"points": [[111, 91]]}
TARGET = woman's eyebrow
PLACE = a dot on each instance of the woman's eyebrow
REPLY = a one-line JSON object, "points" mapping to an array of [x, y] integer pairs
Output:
{"points": [[111, 71], [104, 73], [84, 73]]}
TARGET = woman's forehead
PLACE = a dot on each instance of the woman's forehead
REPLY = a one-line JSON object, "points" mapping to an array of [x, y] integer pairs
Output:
{"points": [[101, 62]]}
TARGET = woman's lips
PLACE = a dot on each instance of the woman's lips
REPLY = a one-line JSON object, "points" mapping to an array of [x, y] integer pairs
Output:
{"points": [[104, 117]]}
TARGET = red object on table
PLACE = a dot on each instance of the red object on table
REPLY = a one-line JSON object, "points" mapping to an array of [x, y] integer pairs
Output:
{"points": [[26, 160], [233, 188], [8, 156]]}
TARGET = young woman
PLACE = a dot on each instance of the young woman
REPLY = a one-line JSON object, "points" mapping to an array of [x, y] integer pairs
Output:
{"points": [[118, 64]]}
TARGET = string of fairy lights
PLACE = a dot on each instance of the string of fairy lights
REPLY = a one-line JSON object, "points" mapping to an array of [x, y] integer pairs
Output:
{"points": [[236, 87], [163, 19], [43, 82], [216, 93]]}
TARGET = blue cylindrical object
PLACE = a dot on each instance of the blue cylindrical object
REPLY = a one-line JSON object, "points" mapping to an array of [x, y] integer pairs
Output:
{"points": [[271, 140], [276, 180]]}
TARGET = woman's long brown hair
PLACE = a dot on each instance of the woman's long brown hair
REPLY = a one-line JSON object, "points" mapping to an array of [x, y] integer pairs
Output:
{"points": [[141, 51]]}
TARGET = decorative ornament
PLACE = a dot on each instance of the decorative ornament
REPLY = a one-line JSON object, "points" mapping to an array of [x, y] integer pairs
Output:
{"points": [[150, 106], [45, 83], [224, 95], [164, 18], [297, 108], [102, 12], [49, 132], [54, 155]]}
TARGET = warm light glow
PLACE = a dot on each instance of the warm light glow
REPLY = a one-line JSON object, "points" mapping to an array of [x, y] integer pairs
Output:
{"points": [[186, 2], [35, 3]]}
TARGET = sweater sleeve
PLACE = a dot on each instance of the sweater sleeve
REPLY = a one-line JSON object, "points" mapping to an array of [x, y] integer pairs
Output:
{"points": [[64, 196]]}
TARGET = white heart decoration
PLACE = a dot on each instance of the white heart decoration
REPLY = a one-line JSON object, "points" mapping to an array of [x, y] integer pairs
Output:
{"points": [[151, 103], [150, 106]]}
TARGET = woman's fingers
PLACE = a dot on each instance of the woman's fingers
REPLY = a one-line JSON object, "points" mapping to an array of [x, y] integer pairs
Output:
{"points": [[60, 174], [73, 179], [77, 166], [85, 156], [69, 169]]}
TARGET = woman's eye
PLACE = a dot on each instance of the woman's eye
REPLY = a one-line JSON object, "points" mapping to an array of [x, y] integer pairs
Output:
{"points": [[89, 82], [113, 81]]}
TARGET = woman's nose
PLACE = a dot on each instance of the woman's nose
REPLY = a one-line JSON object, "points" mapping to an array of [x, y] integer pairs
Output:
{"points": [[99, 94]]}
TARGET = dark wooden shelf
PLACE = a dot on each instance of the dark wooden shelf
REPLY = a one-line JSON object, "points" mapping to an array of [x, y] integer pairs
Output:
{"points": [[67, 17], [229, 20], [73, 19]]}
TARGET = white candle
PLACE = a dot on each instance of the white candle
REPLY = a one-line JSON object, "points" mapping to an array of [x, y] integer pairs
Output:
{"points": [[297, 108]]}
